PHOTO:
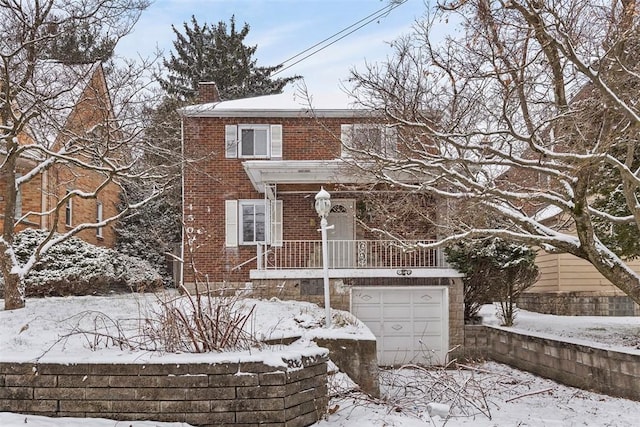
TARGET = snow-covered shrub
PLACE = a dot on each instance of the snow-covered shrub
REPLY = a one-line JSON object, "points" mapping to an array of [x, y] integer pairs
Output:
{"points": [[495, 270], [75, 267]]}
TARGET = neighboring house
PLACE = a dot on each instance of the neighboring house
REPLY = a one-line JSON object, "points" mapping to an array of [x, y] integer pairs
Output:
{"points": [[571, 286], [254, 167], [81, 110]]}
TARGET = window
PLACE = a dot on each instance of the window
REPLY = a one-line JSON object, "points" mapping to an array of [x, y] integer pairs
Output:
{"points": [[253, 141], [361, 140], [252, 221], [99, 218], [18, 199], [68, 211]]}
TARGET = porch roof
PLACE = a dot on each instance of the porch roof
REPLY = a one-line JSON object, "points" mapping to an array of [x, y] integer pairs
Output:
{"points": [[264, 172]]}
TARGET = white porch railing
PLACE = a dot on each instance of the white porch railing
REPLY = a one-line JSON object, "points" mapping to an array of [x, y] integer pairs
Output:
{"points": [[351, 254]]}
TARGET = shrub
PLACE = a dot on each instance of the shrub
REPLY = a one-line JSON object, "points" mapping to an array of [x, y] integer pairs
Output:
{"points": [[75, 267], [495, 270]]}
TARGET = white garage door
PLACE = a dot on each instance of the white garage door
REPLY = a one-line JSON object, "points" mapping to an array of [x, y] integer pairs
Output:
{"points": [[410, 323]]}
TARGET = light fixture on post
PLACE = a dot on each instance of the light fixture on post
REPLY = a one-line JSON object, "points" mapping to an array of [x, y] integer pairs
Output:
{"points": [[323, 207]]}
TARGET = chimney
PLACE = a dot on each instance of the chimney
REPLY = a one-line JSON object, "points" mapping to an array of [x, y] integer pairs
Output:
{"points": [[208, 92]]}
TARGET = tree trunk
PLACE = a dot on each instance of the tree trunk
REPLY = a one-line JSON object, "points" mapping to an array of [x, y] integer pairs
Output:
{"points": [[13, 292]]}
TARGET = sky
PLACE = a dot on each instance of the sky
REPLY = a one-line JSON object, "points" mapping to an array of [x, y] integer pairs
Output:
{"points": [[283, 28]]}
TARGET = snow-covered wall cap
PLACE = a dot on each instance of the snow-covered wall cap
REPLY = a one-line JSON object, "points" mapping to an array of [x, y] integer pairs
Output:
{"points": [[287, 104]]}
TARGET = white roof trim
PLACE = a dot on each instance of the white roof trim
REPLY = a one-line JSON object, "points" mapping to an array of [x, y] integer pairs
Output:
{"points": [[278, 105], [263, 172]]}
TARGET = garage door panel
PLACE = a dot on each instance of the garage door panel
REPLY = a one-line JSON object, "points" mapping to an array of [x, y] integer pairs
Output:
{"points": [[367, 297], [369, 312], [396, 357], [401, 296], [392, 327], [396, 312], [427, 328]]}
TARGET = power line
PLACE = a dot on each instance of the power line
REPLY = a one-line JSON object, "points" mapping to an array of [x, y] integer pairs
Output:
{"points": [[364, 22]]}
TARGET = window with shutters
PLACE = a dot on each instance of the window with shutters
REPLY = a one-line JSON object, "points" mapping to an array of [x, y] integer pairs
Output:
{"points": [[253, 141], [248, 222], [253, 216], [362, 140]]}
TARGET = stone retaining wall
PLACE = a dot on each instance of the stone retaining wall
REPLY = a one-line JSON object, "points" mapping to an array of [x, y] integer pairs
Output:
{"points": [[200, 394], [611, 372], [578, 304]]}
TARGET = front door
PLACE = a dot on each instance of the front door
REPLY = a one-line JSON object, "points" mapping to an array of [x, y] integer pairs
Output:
{"points": [[342, 237]]}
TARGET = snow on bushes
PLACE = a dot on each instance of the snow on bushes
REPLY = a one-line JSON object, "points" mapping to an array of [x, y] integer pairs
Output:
{"points": [[75, 267]]}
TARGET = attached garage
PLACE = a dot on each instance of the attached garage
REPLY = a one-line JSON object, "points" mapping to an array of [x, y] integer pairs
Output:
{"points": [[411, 324]]}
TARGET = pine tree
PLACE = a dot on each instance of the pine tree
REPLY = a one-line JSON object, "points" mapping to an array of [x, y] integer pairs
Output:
{"points": [[217, 54], [76, 42]]}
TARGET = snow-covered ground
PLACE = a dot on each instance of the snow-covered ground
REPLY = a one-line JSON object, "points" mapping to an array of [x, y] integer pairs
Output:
{"points": [[487, 394], [611, 332]]}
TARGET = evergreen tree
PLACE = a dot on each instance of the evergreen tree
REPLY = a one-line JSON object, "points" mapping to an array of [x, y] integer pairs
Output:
{"points": [[217, 54], [76, 42], [495, 270], [150, 233]]}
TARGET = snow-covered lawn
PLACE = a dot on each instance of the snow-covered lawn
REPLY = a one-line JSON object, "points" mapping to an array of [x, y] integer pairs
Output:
{"points": [[509, 396]]}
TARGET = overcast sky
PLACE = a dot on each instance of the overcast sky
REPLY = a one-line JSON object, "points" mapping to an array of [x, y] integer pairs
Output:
{"points": [[284, 28]]}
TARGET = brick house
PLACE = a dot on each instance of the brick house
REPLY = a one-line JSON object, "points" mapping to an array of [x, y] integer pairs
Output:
{"points": [[254, 168], [83, 106]]}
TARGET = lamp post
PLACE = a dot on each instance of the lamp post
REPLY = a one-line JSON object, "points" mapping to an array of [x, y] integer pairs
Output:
{"points": [[323, 207]]}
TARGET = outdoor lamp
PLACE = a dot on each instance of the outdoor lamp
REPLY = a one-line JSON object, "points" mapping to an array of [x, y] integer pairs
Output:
{"points": [[323, 203]]}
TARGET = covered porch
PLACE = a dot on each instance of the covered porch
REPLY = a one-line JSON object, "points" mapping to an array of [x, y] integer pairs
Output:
{"points": [[352, 252]]}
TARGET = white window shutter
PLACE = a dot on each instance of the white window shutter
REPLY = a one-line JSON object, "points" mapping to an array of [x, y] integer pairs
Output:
{"points": [[276, 141], [345, 139], [231, 223], [276, 223], [231, 141]]}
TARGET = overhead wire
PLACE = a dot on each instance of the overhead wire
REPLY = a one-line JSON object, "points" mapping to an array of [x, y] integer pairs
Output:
{"points": [[360, 24]]}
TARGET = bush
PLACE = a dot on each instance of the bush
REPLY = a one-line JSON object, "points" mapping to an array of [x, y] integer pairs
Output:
{"points": [[75, 267], [494, 270]]}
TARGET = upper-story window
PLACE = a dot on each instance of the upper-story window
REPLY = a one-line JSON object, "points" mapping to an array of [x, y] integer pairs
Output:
{"points": [[253, 141], [99, 218], [18, 199], [364, 139]]}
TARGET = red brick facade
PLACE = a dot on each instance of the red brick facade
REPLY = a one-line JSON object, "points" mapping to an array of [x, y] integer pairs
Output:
{"points": [[213, 178]]}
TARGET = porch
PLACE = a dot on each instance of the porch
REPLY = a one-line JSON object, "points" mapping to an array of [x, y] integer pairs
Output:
{"points": [[351, 259]]}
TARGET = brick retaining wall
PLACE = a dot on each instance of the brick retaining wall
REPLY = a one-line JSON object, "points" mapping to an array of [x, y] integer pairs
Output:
{"points": [[611, 372], [200, 394]]}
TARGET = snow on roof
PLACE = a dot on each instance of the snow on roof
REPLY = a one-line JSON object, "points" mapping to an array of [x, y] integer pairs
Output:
{"points": [[287, 104]]}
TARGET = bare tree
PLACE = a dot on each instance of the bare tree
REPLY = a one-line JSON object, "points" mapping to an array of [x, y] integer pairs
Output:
{"points": [[68, 132], [529, 114]]}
